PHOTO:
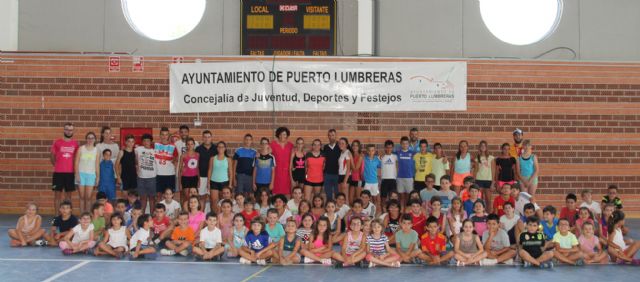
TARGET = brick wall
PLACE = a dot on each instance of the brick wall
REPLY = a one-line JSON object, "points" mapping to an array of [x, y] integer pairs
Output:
{"points": [[583, 118]]}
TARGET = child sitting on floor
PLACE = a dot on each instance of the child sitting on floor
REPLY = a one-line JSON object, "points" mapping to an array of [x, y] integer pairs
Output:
{"points": [[566, 245], [115, 239], [182, 238], [80, 238], [28, 229], [210, 245]]}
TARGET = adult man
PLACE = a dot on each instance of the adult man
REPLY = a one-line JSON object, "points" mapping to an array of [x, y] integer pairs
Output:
{"points": [[182, 143], [331, 152], [414, 142], [63, 155], [516, 148], [205, 152], [166, 156]]}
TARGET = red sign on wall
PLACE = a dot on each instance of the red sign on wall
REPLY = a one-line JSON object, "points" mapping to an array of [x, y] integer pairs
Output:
{"points": [[178, 60], [138, 64], [114, 64]]}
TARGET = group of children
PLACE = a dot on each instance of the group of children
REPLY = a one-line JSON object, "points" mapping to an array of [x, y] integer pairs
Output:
{"points": [[437, 229]]}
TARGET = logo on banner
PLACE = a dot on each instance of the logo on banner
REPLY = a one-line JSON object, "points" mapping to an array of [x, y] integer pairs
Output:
{"points": [[138, 64], [114, 64], [428, 89]]}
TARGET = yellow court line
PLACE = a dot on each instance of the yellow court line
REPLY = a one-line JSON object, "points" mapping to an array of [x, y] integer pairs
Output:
{"points": [[256, 274]]}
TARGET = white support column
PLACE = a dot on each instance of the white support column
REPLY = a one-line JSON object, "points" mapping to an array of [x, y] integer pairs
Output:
{"points": [[366, 26], [9, 25]]}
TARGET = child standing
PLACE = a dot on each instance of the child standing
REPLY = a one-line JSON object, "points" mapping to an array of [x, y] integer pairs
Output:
{"points": [[378, 250], [265, 164], [505, 167], [80, 238], [140, 243], [243, 162], [220, 174], [257, 247], [527, 169], [87, 168], [440, 166], [371, 175], [188, 171], [210, 245], [115, 239], [566, 245], [107, 176], [289, 246], [297, 167], [483, 172], [315, 162], [182, 238], [468, 247], [126, 171], [28, 229], [423, 163], [355, 183], [462, 166], [406, 170], [389, 171]]}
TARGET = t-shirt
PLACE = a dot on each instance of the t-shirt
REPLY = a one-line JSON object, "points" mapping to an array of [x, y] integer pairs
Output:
{"points": [[195, 220], [113, 147], [498, 204], [565, 241], [332, 154], [616, 201], [204, 155], [293, 207], [549, 229], [343, 210], [257, 242], [165, 154], [141, 235], [248, 217], [172, 209], [377, 246], [146, 162], [98, 223], [434, 246], [484, 168], [389, 166], [594, 207], [185, 234], [370, 210], [406, 166], [479, 223], [500, 241], [64, 225], [343, 162], [569, 215], [532, 243], [523, 199], [588, 245], [445, 199], [181, 146], [418, 223], [426, 195], [244, 158], [423, 164], [508, 223], [468, 205], [65, 153], [276, 232], [211, 238], [405, 239], [264, 165], [161, 225], [439, 167], [304, 235], [371, 166], [81, 235]]}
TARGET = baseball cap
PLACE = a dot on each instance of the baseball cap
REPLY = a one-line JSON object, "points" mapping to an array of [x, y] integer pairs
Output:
{"points": [[518, 131]]}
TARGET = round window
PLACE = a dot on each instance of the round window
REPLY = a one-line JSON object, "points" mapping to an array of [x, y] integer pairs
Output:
{"points": [[163, 20]]}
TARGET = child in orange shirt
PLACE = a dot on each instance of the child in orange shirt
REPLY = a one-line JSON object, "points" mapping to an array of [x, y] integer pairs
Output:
{"points": [[181, 238]]}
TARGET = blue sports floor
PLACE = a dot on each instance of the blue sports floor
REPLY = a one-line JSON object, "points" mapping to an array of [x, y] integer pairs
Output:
{"points": [[48, 264]]}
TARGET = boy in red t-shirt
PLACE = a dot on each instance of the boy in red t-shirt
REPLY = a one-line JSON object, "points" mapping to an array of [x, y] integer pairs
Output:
{"points": [[505, 196], [570, 211], [161, 224], [248, 213], [418, 219], [434, 245]]}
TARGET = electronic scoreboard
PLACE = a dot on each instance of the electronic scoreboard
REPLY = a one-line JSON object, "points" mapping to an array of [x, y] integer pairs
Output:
{"points": [[288, 27]]}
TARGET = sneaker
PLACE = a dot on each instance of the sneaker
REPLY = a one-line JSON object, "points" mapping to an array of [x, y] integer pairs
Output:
{"points": [[184, 253], [308, 260], [67, 252], [416, 261], [488, 262], [550, 264], [508, 262], [453, 261], [580, 262], [157, 241], [41, 243], [244, 261], [372, 265], [261, 262], [326, 261], [167, 252], [635, 261], [338, 264], [526, 264]]}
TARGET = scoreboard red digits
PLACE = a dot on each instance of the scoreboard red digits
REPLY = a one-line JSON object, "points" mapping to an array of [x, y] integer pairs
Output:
{"points": [[288, 27]]}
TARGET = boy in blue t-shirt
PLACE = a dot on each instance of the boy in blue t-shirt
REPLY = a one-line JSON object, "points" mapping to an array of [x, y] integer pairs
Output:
{"points": [[257, 246], [406, 170], [550, 223], [263, 172], [107, 183], [473, 198], [371, 175], [243, 161]]}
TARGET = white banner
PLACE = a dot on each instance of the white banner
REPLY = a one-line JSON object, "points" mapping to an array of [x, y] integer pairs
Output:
{"points": [[318, 86]]}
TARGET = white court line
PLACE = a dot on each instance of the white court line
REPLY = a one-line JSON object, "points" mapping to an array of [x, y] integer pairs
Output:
{"points": [[70, 269]]}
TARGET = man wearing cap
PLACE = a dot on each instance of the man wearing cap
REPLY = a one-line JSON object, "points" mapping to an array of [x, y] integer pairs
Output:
{"points": [[516, 148]]}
